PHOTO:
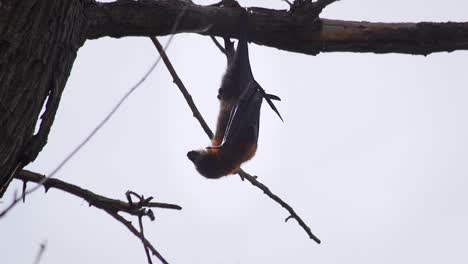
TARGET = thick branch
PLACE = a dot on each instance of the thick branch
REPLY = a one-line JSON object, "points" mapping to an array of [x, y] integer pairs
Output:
{"points": [[93, 199], [292, 31]]}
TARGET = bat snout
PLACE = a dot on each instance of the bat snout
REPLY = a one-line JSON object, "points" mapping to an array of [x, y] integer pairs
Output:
{"points": [[193, 155]]}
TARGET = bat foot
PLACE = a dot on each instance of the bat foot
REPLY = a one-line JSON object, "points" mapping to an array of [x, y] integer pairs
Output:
{"points": [[213, 147]]}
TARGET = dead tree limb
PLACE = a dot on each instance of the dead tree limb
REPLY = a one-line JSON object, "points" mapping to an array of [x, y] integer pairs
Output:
{"points": [[287, 30], [92, 198], [110, 206]]}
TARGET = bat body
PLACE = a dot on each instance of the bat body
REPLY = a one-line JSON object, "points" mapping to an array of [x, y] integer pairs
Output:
{"points": [[237, 130], [229, 92]]}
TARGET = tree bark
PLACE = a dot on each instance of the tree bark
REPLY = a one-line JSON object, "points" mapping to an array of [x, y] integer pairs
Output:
{"points": [[39, 40], [292, 31]]}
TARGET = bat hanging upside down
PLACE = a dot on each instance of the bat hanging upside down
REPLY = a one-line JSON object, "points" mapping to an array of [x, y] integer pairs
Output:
{"points": [[236, 136]]}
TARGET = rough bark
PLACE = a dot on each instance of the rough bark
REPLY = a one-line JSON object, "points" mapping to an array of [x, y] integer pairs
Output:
{"points": [[293, 31], [39, 40]]}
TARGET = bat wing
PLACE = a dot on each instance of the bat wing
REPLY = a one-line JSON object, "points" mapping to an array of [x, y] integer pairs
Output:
{"points": [[243, 125], [244, 117], [246, 78]]}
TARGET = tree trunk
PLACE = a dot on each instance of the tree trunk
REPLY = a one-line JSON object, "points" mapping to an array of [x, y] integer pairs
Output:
{"points": [[38, 45]]}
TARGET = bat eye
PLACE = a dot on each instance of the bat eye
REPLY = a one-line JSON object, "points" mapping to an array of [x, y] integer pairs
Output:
{"points": [[220, 97]]}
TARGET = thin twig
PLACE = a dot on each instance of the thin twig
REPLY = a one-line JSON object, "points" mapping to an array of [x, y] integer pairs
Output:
{"points": [[42, 248], [218, 45], [208, 131], [23, 191], [289, 3], [321, 4], [312, 9], [134, 231], [98, 127], [111, 206], [182, 88], [285, 205], [142, 236]]}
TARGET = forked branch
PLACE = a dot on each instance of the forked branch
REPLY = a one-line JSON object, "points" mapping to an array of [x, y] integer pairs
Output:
{"points": [[111, 206]]}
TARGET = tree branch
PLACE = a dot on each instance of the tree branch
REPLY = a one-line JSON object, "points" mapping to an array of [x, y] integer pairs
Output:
{"points": [[142, 236], [110, 206], [218, 45], [42, 248], [287, 30], [252, 179], [182, 88], [134, 231], [92, 198]]}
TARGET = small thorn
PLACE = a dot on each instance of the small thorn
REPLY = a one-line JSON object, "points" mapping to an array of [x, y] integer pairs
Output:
{"points": [[25, 183], [287, 219]]}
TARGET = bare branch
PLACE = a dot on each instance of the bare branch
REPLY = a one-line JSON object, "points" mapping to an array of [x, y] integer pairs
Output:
{"points": [[142, 236], [42, 248], [111, 206], [292, 31], [92, 198], [218, 45], [252, 179], [287, 1], [307, 7], [324, 3], [321, 4], [134, 231], [182, 88]]}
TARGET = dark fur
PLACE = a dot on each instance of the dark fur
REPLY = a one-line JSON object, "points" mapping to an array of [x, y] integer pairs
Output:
{"points": [[236, 136]]}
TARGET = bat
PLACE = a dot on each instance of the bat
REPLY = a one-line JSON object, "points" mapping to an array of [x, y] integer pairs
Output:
{"points": [[237, 129]]}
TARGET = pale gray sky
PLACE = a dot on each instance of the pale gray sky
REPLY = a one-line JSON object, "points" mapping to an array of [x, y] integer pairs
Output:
{"points": [[372, 154]]}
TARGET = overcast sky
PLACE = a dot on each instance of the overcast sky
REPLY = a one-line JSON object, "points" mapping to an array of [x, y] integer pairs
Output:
{"points": [[373, 154]]}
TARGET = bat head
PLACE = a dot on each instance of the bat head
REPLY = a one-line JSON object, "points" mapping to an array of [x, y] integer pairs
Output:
{"points": [[212, 163], [195, 156]]}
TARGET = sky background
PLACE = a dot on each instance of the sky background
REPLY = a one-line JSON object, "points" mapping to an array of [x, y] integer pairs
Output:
{"points": [[373, 155]]}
